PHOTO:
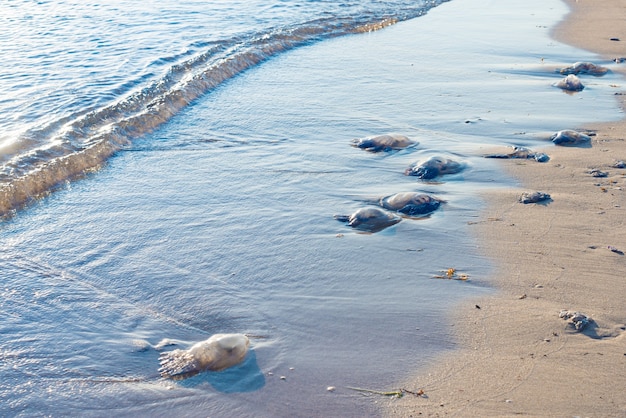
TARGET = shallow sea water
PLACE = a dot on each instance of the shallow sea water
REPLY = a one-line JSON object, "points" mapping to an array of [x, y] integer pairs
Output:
{"points": [[222, 220]]}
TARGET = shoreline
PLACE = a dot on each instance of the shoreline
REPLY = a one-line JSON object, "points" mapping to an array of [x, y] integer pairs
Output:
{"points": [[516, 356]]}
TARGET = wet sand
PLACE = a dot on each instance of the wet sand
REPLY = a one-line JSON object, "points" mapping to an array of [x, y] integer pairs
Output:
{"points": [[517, 357]]}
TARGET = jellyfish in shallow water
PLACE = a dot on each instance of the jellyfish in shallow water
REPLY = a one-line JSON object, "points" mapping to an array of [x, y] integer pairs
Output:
{"points": [[217, 353], [570, 138], [434, 167], [369, 219], [584, 68], [570, 83], [380, 143]]}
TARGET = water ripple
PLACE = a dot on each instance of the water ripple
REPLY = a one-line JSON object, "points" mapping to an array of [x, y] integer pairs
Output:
{"points": [[86, 79]]}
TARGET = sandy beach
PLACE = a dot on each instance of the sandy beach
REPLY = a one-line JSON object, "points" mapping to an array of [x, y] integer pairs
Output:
{"points": [[219, 217], [517, 356]]}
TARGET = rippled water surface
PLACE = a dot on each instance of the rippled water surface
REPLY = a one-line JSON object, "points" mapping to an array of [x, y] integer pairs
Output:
{"points": [[86, 78], [216, 214]]}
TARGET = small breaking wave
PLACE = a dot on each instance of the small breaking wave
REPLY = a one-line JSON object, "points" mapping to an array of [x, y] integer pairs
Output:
{"points": [[42, 160]]}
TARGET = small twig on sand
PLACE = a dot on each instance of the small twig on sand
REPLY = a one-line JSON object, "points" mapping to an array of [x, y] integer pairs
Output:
{"points": [[397, 393]]}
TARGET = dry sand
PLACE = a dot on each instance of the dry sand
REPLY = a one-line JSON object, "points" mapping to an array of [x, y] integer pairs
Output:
{"points": [[517, 356]]}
